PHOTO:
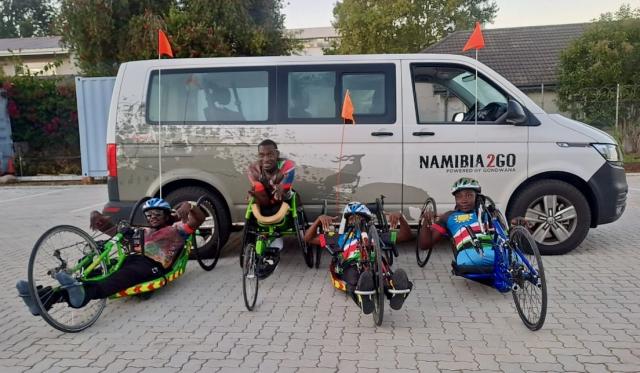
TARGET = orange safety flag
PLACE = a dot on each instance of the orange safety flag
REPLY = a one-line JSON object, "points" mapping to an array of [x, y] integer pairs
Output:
{"points": [[476, 41], [164, 48], [347, 109]]}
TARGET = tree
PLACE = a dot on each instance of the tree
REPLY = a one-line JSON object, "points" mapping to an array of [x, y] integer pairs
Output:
{"points": [[105, 33], [26, 18], [592, 67], [403, 26]]}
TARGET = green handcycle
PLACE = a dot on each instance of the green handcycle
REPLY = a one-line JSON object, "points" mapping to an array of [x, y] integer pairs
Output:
{"points": [[71, 249], [259, 232]]}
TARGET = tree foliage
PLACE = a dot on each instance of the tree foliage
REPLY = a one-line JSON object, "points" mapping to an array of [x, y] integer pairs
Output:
{"points": [[105, 33], [592, 67], [403, 26], [26, 18]]}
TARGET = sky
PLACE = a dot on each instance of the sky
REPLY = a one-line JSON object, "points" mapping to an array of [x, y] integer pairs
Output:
{"points": [[511, 13]]}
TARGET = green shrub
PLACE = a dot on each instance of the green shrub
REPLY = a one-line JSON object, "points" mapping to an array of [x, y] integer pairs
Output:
{"points": [[43, 114]]}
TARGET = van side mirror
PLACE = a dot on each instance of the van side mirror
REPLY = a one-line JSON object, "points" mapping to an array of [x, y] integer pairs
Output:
{"points": [[515, 113], [458, 117]]}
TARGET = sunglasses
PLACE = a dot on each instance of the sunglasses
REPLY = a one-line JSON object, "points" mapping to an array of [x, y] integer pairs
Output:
{"points": [[154, 214]]}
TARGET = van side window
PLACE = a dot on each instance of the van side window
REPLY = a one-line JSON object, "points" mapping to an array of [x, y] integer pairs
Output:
{"points": [[367, 92], [320, 85], [313, 94], [446, 94], [209, 96]]}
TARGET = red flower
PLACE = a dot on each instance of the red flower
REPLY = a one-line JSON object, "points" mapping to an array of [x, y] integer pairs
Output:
{"points": [[13, 109], [7, 86]]}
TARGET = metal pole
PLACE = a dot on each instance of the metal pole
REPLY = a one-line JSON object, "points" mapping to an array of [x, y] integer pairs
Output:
{"points": [[542, 94], [476, 105]]}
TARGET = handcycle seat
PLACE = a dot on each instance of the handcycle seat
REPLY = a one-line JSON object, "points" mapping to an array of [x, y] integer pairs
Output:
{"points": [[171, 275], [276, 218], [470, 270]]}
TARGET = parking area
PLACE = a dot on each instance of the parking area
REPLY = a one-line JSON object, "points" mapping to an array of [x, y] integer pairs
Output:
{"points": [[301, 324]]}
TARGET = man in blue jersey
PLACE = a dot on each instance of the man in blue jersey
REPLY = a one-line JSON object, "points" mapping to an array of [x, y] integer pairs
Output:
{"points": [[456, 224]]}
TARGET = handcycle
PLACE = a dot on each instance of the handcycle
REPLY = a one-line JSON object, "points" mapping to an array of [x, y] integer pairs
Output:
{"points": [[376, 247], [71, 249], [258, 234], [517, 266]]}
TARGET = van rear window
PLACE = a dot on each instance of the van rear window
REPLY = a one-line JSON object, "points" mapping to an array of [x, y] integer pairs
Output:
{"points": [[209, 96]]}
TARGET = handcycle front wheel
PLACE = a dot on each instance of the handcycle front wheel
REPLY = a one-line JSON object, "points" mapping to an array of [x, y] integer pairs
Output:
{"points": [[249, 276], [530, 287], [378, 278], [61, 248], [422, 256]]}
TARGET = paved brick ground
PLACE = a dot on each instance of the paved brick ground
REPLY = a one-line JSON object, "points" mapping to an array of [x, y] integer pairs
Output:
{"points": [[302, 324]]}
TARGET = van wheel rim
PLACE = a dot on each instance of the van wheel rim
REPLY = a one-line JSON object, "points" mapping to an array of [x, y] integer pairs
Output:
{"points": [[554, 219]]}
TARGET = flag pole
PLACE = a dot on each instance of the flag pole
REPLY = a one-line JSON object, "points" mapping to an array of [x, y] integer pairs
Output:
{"points": [[159, 120], [476, 105]]}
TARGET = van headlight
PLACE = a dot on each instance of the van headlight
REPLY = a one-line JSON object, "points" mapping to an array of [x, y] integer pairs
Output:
{"points": [[610, 152]]}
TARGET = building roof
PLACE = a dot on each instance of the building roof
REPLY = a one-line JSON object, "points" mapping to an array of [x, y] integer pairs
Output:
{"points": [[526, 56], [314, 33], [32, 46]]}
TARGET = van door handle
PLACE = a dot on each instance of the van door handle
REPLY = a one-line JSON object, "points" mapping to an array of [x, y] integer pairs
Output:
{"points": [[423, 133], [382, 133]]}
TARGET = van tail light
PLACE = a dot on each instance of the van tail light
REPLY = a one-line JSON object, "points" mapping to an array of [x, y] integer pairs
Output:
{"points": [[112, 164]]}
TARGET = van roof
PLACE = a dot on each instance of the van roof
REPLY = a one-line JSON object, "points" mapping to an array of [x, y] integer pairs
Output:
{"points": [[268, 60]]}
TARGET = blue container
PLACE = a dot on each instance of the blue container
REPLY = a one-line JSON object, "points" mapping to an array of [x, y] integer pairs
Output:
{"points": [[6, 144]]}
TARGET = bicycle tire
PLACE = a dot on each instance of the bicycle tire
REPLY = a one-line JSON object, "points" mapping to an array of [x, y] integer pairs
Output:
{"points": [[378, 309], [71, 244], [208, 259], [249, 276], [422, 256], [300, 225], [531, 309]]}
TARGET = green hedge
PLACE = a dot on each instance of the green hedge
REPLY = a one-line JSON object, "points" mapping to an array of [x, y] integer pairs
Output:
{"points": [[44, 115]]}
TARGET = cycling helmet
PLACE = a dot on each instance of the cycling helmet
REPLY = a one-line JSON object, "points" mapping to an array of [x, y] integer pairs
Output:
{"points": [[356, 208], [156, 203], [465, 183]]}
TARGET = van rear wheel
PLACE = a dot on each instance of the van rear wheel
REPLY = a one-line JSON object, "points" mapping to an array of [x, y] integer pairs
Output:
{"points": [[557, 215], [209, 231]]}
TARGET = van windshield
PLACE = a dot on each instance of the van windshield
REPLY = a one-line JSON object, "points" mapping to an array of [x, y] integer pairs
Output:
{"points": [[466, 81]]}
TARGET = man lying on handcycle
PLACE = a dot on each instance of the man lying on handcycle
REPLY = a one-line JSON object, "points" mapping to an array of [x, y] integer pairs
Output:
{"points": [[163, 240], [456, 224], [347, 255]]}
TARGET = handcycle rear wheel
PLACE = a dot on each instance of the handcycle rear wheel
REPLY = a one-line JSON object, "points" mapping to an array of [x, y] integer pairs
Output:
{"points": [[249, 277], [422, 256], [208, 258], [378, 278], [57, 249], [300, 225], [530, 296]]}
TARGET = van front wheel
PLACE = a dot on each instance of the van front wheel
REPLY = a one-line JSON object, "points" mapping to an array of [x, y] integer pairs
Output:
{"points": [[209, 229], [557, 215]]}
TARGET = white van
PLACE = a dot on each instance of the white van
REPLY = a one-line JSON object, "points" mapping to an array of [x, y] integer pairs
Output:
{"points": [[415, 133]]}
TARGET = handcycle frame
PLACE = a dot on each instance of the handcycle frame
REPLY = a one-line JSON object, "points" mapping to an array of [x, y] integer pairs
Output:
{"points": [[257, 236], [107, 257]]}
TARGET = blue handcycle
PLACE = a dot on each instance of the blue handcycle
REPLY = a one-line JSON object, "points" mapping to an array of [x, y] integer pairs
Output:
{"points": [[517, 266]]}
